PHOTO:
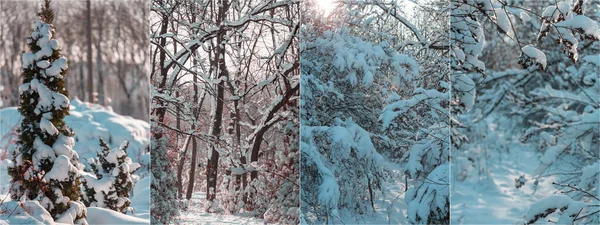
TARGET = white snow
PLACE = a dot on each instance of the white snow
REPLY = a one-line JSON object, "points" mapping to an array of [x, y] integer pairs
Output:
{"points": [[28, 59], [76, 209], [556, 202], [57, 67], [536, 54], [30, 212], [195, 214], [64, 146], [503, 21], [525, 17], [97, 215], [43, 152], [88, 121], [61, 169], [43, 64], [53, 44], [48, 127], [465, 89]]}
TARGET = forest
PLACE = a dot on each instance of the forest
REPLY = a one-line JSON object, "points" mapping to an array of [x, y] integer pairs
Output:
{"points": [[224, 114], [300, 112]]}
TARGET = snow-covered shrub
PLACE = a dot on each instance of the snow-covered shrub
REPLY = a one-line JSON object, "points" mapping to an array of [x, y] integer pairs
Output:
{"points": [[570, 210], [112, 184], [429, 203], [394, 88], [340, 169], [46, 168]]}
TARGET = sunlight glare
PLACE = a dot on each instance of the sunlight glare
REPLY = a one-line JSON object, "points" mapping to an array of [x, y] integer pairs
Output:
{"points": [[325, 5]]}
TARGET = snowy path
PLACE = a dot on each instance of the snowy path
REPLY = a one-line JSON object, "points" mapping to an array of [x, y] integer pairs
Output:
{"points": [[196, 215], [389, 207], [495, 199]]}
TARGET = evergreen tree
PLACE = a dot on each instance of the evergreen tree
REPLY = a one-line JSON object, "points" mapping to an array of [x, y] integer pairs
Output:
{"points": [[112, 184], [46, 167]]}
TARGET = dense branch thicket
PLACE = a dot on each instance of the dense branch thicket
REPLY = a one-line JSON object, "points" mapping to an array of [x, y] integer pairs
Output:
{"points": [[375, 93], [540, 91], [224, 106]]}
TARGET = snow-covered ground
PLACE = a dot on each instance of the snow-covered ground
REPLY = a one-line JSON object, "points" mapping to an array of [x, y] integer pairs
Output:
{"points": [[195, 214], [488, 195], [390, 207], [88, 121]]}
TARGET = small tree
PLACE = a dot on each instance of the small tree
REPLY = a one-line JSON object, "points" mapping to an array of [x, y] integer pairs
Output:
{"points": [[112, 184], [46, 168]]}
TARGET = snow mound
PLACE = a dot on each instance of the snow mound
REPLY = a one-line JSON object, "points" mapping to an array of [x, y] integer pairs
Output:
{"points": [[106, 216], [89, 121], [140, 200], [30, 212]]}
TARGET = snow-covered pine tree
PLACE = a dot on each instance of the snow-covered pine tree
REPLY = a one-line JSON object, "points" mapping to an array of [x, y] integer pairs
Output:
{"points": [[112, 184], [46, 168]]}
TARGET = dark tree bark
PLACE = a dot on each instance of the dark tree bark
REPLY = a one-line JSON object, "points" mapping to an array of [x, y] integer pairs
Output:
{"points": [[90, 84], [213, 161]]}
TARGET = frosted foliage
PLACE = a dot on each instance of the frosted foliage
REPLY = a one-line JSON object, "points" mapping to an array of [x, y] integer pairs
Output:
{"points": [[536, 55], [75, 210], [64, 145], [62, 170], [569, 25], [43, 152], [111, 183], [47, 99], [465, 90], [568, 208], [46, 166], [359, 61], [398, 108], [340, 178], [428, 203], [503, 21], [468, 37], [586, 126]]}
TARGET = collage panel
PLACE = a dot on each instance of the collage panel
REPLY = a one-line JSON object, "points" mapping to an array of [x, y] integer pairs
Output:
{"points": [[225, 88], [74, 146], [299, 112], [525, 109], [374, 112]]}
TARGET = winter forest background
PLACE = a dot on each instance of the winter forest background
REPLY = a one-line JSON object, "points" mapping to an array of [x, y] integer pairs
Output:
{"points": [[112, 47], [301, 111], [526, 112]]}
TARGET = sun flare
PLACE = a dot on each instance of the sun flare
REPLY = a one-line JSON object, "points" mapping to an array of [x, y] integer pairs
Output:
{"points": [[326, 6]]}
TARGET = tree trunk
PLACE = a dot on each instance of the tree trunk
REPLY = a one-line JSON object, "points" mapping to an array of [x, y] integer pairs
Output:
{"points": [[193, 165], [90, 85], [213, 161], [180, 167], [100, 87]]}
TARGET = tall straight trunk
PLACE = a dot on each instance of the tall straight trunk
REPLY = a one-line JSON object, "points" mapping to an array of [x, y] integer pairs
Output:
{"points": [[180, 168], [213, 161], [81, 90], [100, 87], [195, 111], [161, 110], [90, 84], [190, 188], [181, 154]]}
